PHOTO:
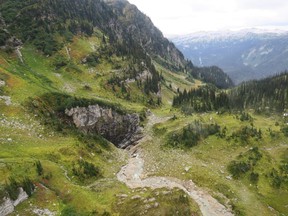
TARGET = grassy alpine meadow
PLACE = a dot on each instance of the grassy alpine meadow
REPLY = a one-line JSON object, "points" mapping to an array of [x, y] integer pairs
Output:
{"points": [[54, 160], [208, 163], [231, 141], [25, 141], [22, 145], [240, 158]]}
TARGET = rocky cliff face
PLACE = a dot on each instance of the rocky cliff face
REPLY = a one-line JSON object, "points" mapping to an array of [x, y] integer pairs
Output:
{"points": [[121, 130], [8, 205], [133, 23]]}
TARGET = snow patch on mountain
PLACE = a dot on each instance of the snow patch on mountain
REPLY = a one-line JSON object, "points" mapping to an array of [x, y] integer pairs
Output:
{"points": [[244, 55]]}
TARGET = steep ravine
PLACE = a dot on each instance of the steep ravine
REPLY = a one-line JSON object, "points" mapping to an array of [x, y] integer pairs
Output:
{"points": [[132, 175]]}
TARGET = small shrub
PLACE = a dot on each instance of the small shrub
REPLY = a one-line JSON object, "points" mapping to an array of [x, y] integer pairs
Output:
{"points": [[276, 179], [284, 169], [12, 188], [279, 177], [254, 177], [48, 176], [245, 163], [3, 193], [60, 61], [106, 214], [245, 133], [3, 37], [72, 67], [92, 60], [158, 130], [69, 211], [191, 135], [245, 117], [142, 115], [284, 130], [87, 88], [237, 169], [39, 168], [84, 169], [28, 186]]}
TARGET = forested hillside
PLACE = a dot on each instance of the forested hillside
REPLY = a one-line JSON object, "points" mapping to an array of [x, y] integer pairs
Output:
{"points": [[269, 94]]}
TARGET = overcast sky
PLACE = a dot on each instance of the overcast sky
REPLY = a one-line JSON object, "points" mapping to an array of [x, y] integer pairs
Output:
{"points": [[174, 17]]}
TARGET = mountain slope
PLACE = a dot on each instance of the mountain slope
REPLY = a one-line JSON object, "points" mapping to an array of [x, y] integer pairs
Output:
{"points": [[120, 20], [128, 30], [243, 55], [265, 95], [74, 87], [141, 28], [60, 55]]}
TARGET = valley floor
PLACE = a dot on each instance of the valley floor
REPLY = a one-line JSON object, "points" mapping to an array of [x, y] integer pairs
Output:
{"points": [[132, 175]]}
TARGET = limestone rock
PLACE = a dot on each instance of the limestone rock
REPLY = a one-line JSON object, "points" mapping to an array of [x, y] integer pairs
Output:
{"points": [[2, 83], [136, 197], [187, 169], [7, 100], [14, 42], [7, 207], [43, 212], [122, 195], [21, 197], [121, 130], [152, 199]]}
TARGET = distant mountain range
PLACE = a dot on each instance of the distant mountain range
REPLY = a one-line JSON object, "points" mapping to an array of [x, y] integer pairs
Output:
{"points": [[243, 55]]}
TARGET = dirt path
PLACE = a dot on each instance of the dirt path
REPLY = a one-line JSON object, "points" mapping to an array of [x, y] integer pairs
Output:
{"points": [[132, 175]]}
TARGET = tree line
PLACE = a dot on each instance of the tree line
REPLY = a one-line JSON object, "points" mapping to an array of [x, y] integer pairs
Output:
{"points": [[267, 94]]}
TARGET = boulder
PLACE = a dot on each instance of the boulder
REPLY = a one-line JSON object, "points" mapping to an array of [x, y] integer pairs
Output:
{"points": [[21, 197]]}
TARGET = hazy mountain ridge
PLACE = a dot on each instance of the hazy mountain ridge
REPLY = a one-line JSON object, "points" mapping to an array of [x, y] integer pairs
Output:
{"points": [[243, 55]]}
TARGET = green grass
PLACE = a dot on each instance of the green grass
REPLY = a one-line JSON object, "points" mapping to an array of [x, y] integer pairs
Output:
{"points": [[157, 202], [208, 161], [24, 139]]}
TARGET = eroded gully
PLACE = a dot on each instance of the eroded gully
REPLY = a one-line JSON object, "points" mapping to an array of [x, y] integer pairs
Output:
{"points": [[132, 175]]}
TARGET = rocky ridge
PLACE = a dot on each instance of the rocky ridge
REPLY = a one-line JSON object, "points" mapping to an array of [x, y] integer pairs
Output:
{"points": [[244, 55]]}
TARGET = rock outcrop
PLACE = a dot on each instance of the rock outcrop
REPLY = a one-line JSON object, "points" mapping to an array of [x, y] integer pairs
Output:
{"points": [[121, 130], [8, 205], [2, 83], [6, 99]]}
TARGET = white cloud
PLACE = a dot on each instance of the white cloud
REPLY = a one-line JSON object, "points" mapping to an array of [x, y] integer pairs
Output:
{"points": [[185, 16]]}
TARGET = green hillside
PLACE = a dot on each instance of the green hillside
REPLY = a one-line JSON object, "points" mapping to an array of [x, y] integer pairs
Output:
{"points": [[59, 55]]}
